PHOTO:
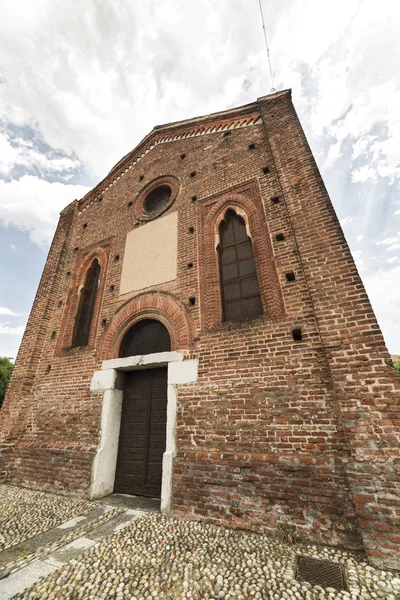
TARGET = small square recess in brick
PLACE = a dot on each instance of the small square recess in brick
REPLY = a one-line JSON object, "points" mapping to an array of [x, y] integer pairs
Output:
{"points": [[321, 572]]}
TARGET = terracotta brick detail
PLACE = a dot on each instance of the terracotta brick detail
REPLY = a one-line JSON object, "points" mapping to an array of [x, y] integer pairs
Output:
{"points": [[246, 202], [83, 263], [138, 206], [274, 430], [161, 307]]}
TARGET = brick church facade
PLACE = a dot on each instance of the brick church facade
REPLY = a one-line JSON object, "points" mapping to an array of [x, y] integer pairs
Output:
{"points": [[201, 334]]}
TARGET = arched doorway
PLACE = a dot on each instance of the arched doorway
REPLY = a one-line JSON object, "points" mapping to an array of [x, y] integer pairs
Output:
{"points": [[142, 436]]}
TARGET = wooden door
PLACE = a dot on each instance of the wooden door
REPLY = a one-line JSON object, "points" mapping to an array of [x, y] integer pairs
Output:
{"points": [[142, 434]]}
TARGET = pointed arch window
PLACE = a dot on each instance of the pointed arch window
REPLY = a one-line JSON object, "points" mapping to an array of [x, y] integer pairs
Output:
{"points": [[238, 276], [86, 306]]}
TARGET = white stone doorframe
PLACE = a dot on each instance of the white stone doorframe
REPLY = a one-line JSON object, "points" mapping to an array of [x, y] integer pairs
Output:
{"points": [[110, 380]]}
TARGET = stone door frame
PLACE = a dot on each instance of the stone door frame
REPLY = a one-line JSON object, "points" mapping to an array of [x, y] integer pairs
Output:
{"points": [[110, 380]]}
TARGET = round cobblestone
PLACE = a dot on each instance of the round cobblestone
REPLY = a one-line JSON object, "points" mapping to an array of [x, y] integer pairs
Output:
{"points": [[25, 513], [161, 557]]}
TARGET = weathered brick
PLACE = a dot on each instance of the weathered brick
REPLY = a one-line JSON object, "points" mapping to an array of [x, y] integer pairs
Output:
{"points": [[301, 432]]}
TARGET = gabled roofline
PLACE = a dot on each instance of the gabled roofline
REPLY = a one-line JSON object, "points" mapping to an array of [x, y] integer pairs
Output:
{"points": [[247, 114]]}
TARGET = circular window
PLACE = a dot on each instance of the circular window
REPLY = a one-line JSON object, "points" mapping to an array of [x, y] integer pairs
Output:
{"points": [[156, 197], [157, 200]]}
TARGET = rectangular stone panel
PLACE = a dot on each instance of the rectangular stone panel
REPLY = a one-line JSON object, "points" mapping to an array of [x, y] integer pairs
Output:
{"points": [[150, 254]]}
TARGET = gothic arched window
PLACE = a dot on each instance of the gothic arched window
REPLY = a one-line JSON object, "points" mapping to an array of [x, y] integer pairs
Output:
{"points": [[87, 300], [239, 284]]}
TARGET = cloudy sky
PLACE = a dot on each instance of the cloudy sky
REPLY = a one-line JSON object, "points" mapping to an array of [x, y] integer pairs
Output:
{"points": [[81, 83]]}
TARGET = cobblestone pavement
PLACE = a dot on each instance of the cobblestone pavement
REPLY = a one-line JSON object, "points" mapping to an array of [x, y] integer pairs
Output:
{"points": [[161, 557], [25, 513]]}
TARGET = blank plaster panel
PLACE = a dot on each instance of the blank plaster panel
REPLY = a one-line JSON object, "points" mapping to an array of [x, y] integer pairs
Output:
{"points": [[150, 254]]}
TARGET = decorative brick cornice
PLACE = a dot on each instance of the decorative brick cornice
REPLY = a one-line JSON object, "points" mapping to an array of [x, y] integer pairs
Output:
{"points": [[164, 136], [234, 118]]}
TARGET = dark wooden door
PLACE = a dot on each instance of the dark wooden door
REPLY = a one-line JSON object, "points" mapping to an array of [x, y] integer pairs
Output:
{"points": [[142, 434]]}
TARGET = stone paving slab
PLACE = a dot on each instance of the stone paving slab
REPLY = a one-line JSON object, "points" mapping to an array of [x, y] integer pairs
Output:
{"points": [[167, 558], [133, 502], [54, 542], [116, 551], [16, 582], [24, 578], [31, 545], [26, 513], [110, 527]]}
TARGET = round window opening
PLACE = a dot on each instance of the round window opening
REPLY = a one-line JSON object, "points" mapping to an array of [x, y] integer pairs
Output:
{"points": [[157, 200]]}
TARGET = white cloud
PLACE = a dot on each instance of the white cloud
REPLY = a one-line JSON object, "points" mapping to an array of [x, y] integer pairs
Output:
{"points": [[7, 311], [357, 258], [348, 93], [386, 305], [360, 238], [363, 174], [21, 153], [393, 259], [346, 220], [10, 339], [33, 205], [8, 330], [389, 240], [334, 153], [96, 78], [362, 144]]}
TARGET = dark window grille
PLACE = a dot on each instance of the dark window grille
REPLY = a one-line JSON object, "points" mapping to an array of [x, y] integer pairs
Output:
{"points": [[239, 284], [157, 200], [87, 301], [145, 337]]}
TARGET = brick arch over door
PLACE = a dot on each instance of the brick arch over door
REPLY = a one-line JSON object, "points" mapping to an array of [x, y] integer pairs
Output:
{"points": [[252, 211], [151, 305]]}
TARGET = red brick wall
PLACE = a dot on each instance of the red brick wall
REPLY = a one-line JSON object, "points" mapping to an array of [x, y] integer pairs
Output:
{"points": [[262, 423], [364, 382], [275, 431], [57, 469]]}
